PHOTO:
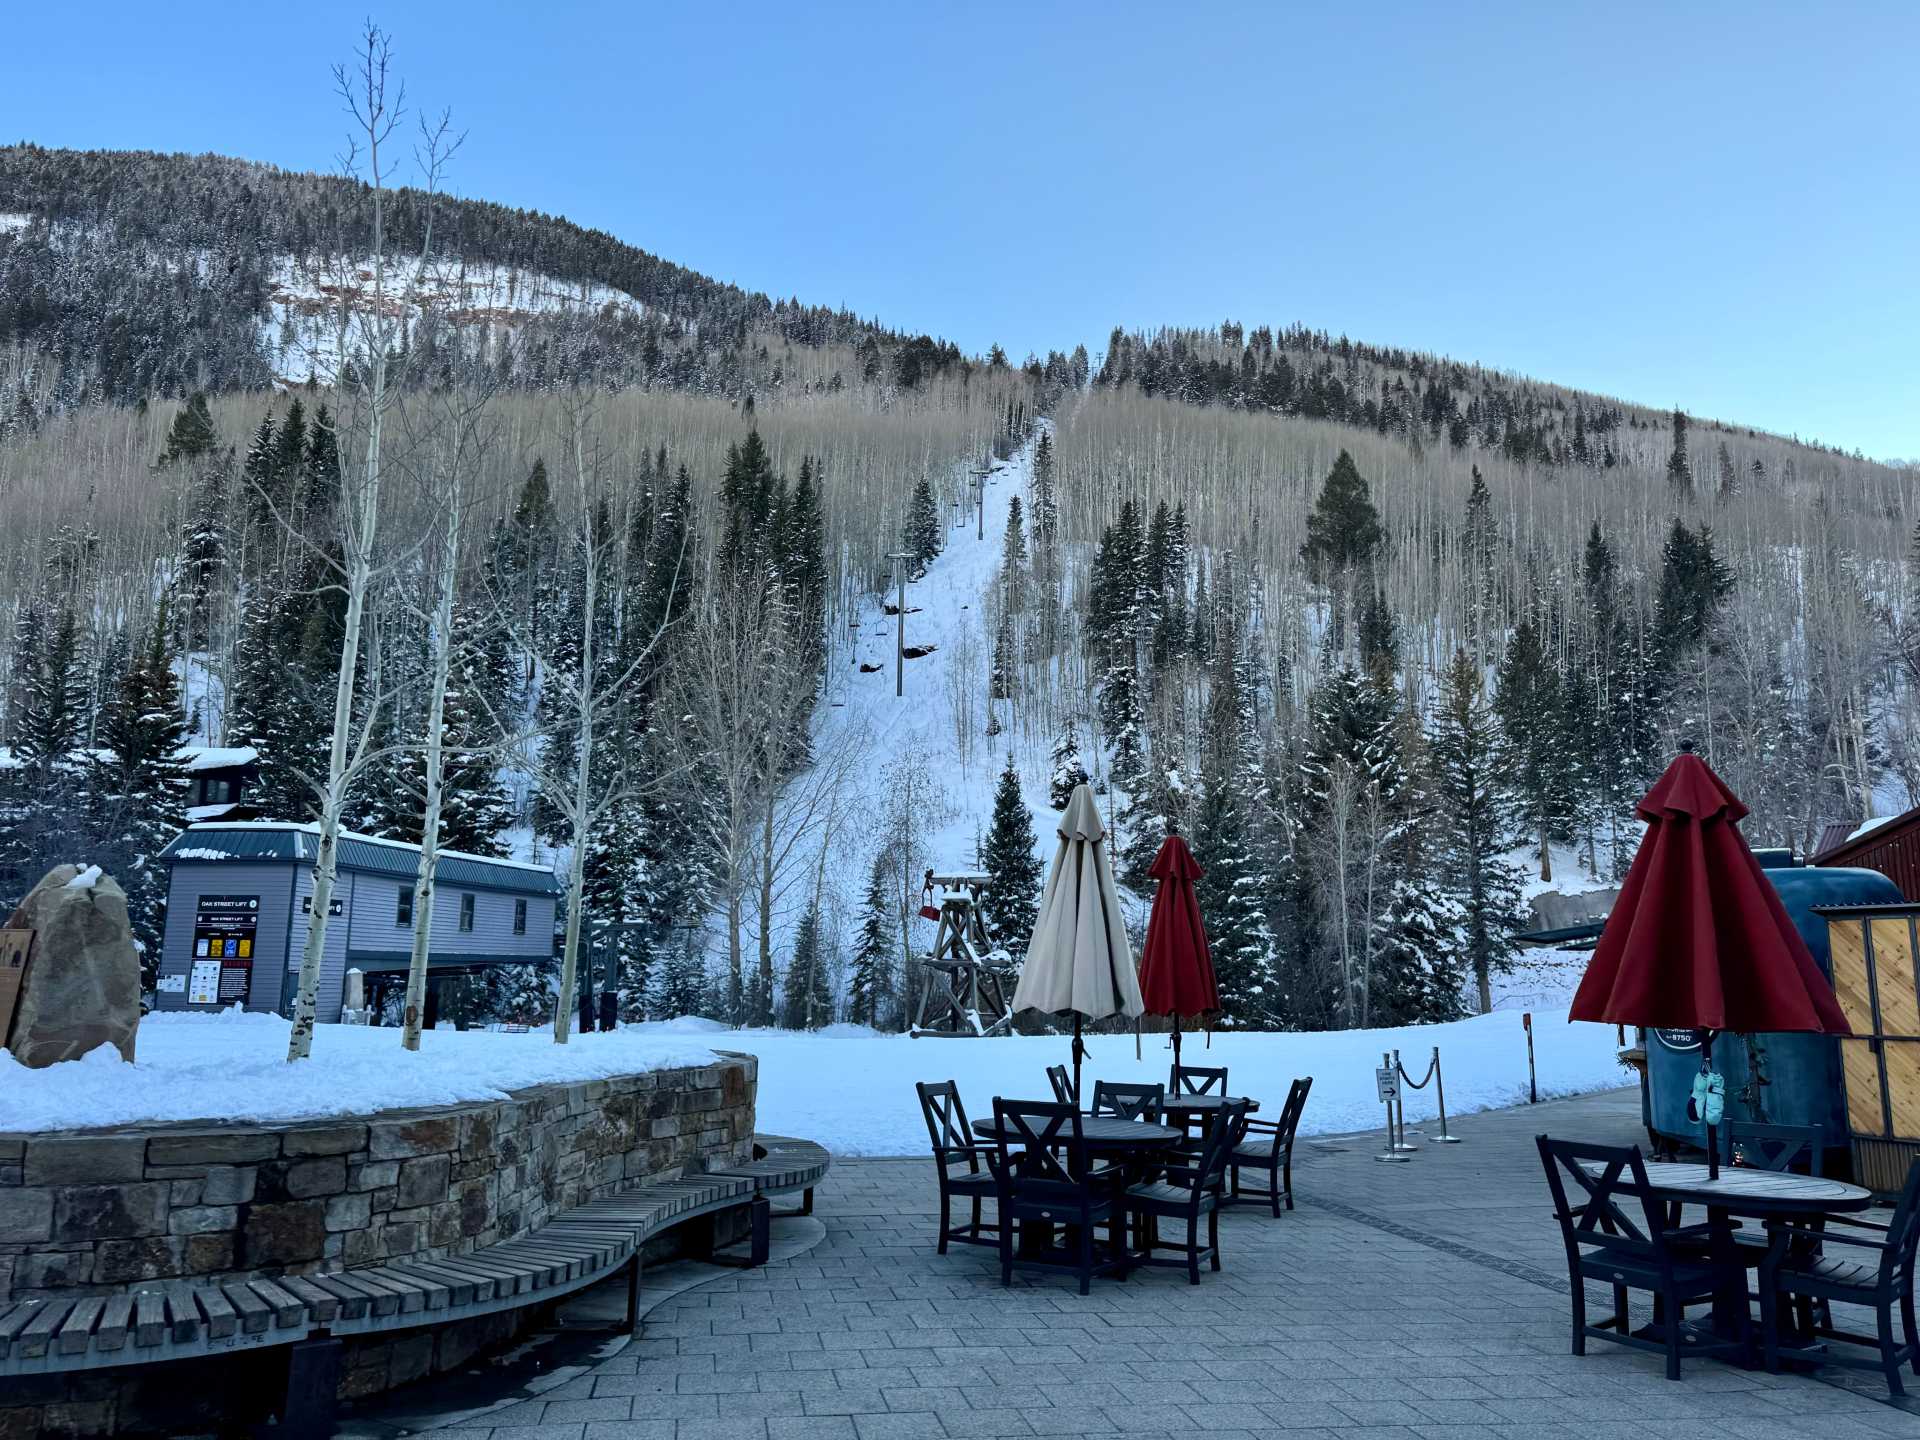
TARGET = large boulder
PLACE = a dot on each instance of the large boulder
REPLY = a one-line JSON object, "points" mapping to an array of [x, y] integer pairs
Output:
{"points": [[82, 985]]}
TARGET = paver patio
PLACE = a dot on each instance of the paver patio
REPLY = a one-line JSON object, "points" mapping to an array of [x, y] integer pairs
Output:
{"points": [[1425, 1299]]}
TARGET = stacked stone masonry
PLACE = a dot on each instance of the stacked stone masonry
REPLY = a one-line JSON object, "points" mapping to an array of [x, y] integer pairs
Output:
{"points": [[103, 1210]]}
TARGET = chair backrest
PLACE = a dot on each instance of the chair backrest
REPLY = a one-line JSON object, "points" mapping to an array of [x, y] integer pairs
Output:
{"points": [[1782, 1148], [1129, 1102], [1062, 1081], [1903, 1230], [1290, 1112], [1225, 1135], [1197, 1080], [946, 1121], [1038, 1143], [1618, 1209]]}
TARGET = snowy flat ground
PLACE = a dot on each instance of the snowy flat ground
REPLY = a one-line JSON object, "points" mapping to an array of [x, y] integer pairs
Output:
{"points": [[849, 1088], [855, 1095], [233, 1067]]}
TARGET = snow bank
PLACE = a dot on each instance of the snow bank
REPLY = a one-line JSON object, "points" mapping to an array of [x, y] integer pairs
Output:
{"points": [[855, 1094], [232, 1066]]}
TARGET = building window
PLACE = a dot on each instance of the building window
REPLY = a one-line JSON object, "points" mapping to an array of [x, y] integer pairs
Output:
{"points": [[403, 906], [519, 917], [466, 912]]}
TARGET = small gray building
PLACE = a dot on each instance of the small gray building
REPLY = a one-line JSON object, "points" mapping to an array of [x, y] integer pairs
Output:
{"points": [[240, 894]]}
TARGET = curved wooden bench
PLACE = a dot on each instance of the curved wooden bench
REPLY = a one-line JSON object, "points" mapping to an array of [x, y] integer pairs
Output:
{"points": [[181, 1319]]}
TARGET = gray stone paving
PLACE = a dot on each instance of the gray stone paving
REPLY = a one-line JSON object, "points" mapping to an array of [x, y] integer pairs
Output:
{"points": [[1418, 1300]]}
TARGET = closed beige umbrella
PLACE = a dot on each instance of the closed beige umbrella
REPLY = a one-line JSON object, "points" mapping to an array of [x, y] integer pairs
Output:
{"points": [[1080, 962]]}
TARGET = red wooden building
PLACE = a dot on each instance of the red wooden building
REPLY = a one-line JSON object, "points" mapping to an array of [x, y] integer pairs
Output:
{"points": [[1892, 847]]}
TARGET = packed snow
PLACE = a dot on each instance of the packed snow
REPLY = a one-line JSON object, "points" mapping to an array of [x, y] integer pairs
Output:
{"points": [[86, 879], [233, 1066], [855, 1095]]}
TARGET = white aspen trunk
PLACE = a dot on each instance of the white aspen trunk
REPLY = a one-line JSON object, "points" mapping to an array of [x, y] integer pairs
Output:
{"points": [[582, 815], [423, 885]]}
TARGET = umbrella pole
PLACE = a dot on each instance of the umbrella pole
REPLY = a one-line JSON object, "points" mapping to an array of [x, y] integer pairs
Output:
{"points": [[1078, 1051], [1176, 1040], [1713, 1140]]}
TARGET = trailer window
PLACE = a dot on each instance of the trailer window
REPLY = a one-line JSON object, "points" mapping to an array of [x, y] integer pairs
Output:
{"points": [[403, 906], [466, 912], [519, 917]]}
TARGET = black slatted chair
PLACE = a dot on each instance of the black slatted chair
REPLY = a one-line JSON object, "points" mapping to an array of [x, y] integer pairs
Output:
{"points": [[1129, 1102], [1620, 1235], [1197, 1080], [953, 1144], [1046, 1179], [1268, 1148], [1845, 1258], [1798, 1149], [1061, 1079], [1188, 1191]]}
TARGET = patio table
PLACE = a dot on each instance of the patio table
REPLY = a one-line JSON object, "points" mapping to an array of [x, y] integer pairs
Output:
{"points": [[1105, 1135], [1744, 1191]]}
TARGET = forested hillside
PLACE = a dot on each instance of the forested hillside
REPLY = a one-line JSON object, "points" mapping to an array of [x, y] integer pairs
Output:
{"points": [[610, 583]]}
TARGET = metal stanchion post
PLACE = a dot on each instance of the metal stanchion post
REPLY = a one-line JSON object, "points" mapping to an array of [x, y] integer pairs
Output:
{"points": [[1400, 1106], [1440, 1095], [1388, 1084]]}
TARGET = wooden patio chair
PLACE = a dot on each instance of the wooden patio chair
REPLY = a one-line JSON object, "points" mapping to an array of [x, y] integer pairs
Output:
{"points": [[1061, 1079], [1619, 1234], [1186, 1192], [1129, 1102], [1268, 1147], [953, 1144], [1873, 1267], [1046, 1178]]}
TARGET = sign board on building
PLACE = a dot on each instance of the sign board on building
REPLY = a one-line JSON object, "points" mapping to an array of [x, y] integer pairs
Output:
{"points": [[1679, 1039], [171, 984], [224, 930], [15, 947], [335, 905]]}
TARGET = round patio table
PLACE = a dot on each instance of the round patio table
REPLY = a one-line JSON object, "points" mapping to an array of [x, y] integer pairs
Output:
{"points": [[1105, 1133], [1743, 1190], [1206, 1106]]}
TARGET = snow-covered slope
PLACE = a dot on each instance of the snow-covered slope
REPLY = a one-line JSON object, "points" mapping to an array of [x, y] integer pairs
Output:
{"points": [[487, 302]]}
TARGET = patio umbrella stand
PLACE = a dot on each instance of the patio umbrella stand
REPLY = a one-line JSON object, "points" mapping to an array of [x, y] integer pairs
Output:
{"points": [[1176, 966]]}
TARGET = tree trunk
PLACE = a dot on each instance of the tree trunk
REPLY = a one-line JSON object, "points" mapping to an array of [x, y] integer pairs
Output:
{"points": [[1546, 852], [764, 1000]]}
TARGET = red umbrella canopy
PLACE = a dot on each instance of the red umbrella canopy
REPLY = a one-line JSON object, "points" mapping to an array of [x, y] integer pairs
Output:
{"points": [[1698, 938], [1176, 970]]}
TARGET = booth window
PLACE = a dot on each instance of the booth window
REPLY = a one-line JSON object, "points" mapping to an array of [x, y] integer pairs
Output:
{"points": [[519, 917], [403, 906], [466, 912]]}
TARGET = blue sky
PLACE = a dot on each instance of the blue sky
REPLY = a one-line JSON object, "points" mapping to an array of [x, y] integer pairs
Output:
{"points": [[1718, 209]]}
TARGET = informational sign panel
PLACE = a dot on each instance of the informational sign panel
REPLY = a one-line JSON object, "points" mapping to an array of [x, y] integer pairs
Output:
{"points": [[1386, 1082], [224, 930], [15, 947], [335, 905], [1679, 1039]]}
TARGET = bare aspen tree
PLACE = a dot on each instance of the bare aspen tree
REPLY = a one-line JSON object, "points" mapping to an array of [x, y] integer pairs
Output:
{"points": [[369, 332]]}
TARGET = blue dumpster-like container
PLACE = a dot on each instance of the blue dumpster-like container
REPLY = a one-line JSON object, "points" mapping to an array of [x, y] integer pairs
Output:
{"points": [[1799, 1075]]}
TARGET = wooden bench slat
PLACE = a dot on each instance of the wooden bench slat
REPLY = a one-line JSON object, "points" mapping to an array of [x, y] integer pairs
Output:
{"points": [[286, 1307], [222, 1318], [353, 1302], [255, 1314], [460, 1289], [413, 1293], [183, 1311], [149, 1318], [33, 1340], [111, 1333], [380, 1300], [13, 1319], [320, 1304], [77, 1329]]}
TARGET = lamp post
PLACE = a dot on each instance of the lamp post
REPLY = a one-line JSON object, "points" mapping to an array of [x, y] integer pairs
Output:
{"points": [[901, 559]]}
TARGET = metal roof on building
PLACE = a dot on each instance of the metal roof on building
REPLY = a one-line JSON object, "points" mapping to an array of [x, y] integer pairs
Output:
{"points": [[255, 841]]}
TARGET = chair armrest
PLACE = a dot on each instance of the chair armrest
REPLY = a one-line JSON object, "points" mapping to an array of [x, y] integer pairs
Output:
{"points": [[1786, 1229], [1855, 1224]]}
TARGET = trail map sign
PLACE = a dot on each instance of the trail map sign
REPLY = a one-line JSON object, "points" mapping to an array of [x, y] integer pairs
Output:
{"points": [[224, 929]]}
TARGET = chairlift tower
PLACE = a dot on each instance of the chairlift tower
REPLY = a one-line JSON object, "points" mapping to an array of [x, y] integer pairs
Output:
{"points": [[963, 990], [901, 559]]}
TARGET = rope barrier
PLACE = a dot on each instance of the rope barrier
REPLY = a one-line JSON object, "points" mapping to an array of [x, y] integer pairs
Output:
{"points": [[1439, 1083]]}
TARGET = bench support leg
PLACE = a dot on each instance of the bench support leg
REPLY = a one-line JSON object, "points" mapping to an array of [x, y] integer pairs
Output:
{"points": [[760, 1218], [806, 1201], [633, 1294], [313, 1388]]}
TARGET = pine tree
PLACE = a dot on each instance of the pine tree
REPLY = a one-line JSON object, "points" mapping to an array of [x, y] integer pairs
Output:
{"points": [[1013, 560], [1464, 754], [1343, 529], [1229, 892], [50, 728], [921, 537], [1005, 660], [870, 982], [1679, 470], [1528, 703], [192, 434], [1011, 858], [1068, 771], [807, 1001], [1046, 517]]}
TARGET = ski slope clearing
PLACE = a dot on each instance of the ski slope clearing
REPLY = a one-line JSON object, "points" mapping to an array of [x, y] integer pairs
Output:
{"points": [[856, 1097], [233, 1066]]}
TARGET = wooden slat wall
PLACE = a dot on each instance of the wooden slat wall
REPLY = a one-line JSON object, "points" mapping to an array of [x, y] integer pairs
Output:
{"points": [[1847, 944]]}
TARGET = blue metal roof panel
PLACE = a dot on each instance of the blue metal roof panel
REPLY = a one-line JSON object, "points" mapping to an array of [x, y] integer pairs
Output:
{"points": [[363, 853]]}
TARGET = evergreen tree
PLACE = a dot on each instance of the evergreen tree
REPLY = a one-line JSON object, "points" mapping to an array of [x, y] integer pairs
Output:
{"points": [[1679, 471], [1046, 517], [1343, 529], [870, 983], [192, 434], [1013, 559], [50, 730], [1011, 858], [1068, 771], [807, 1002], [1229, 892], [1005, 660], [1464, 754], [1528, 703], [1729, 476], [921, 537]]}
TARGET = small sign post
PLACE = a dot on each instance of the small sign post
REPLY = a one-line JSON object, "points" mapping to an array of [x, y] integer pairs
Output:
{"points": [[1387, 1084]]}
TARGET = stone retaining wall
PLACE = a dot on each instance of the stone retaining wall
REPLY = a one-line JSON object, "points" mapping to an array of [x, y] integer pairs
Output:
{"points": [[102, 1210]]}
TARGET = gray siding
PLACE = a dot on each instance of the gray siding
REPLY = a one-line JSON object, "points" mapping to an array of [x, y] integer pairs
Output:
{"points": [[191, 880], [333, 961]]}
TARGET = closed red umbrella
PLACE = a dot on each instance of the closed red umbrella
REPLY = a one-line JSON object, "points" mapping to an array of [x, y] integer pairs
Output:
{"points": [[1698, 938], [1176, 968]]}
